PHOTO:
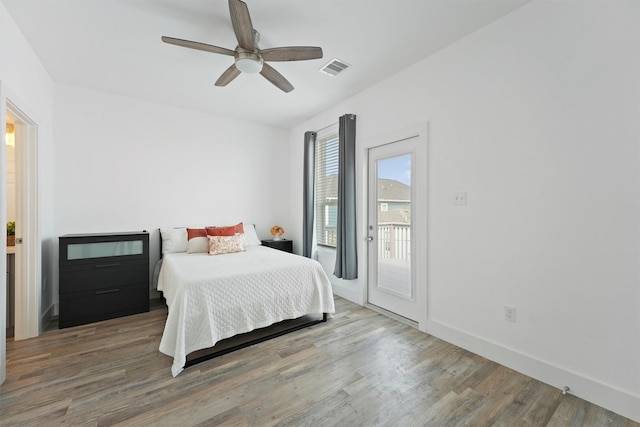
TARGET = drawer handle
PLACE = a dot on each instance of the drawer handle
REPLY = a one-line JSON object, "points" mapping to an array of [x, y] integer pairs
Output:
{"points": [[113, 264], [107, 291]]}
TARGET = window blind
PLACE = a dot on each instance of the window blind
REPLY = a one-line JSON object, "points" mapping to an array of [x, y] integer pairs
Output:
{"points": [[326, 179]]}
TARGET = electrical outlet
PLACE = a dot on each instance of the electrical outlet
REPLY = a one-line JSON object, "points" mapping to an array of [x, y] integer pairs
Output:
{"points": [[510, 313], [460, 198]]}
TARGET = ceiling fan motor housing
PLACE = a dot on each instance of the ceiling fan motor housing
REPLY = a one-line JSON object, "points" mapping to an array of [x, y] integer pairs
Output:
{"points": [[248, 61]]}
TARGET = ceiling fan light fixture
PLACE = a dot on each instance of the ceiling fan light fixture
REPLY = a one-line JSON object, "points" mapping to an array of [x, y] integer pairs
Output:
{"points": [[249, 62], [249, 58]]}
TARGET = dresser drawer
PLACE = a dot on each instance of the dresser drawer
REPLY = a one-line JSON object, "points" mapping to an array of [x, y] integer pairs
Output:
{"points": [[101, 275], [101, 304], [89, 249]]}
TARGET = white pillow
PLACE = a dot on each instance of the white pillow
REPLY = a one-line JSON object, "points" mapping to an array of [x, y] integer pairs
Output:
{"points": [[198, 245], [173, 240], [250, 236]]}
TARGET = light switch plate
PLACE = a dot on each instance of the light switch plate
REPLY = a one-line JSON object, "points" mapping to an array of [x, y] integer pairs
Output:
{"points": [[460, 198]]}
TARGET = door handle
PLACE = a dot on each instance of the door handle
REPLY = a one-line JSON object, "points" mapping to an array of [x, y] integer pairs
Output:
{"points": [[369, 238]]}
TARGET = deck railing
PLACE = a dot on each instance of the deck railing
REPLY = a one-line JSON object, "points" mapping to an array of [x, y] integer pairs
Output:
{"points": [[394, 241]]}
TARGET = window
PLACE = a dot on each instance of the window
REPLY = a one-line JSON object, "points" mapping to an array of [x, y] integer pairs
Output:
{"points": [[331, 214], [326, 179]]}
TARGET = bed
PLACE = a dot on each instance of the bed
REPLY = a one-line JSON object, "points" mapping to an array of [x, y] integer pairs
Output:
{"points": [[212, 298]]}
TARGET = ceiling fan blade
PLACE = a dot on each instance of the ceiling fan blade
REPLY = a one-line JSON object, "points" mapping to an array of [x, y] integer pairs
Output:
{"points": [[291, 53], [269, 73], [198, 46], [229, 74], [241, 21]]}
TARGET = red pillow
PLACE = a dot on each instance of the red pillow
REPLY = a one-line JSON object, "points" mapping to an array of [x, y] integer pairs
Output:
{"points": [[196, 232], [239, 228], [221, 231]]}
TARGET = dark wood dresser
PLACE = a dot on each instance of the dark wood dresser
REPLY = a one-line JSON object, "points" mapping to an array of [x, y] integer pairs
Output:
{"points": [[103, 276]]}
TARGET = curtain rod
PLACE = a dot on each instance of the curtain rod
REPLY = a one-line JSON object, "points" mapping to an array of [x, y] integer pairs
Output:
{"points": [[326, 127]]}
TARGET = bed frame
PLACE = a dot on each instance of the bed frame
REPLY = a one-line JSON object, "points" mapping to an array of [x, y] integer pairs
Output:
{"points": [[254, 337], [248, 339]]}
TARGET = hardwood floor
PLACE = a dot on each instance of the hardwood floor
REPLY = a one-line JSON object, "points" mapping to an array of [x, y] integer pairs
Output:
{"points": [[358, 369]]}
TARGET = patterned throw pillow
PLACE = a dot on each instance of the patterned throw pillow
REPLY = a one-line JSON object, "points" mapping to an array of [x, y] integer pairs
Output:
{"points": [[225, 244]]}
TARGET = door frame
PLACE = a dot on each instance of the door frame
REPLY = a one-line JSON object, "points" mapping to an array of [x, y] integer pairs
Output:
{"points": [[28, 255], [28, 265], [420, 217]]}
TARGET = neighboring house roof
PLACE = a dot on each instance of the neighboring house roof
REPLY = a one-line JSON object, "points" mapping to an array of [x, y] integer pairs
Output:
{"points": [[395, 216], [390, 189]]}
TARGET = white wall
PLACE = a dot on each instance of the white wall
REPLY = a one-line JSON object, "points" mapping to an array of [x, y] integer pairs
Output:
{"points": [[122, 164], [536, 118], [25, 82]]}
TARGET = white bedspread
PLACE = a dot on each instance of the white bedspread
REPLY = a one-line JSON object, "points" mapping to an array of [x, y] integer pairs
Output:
{"points": [[213, 297]]}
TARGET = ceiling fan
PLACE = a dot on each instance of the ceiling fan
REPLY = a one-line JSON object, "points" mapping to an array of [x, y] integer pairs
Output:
{"points": [[249, 58]]}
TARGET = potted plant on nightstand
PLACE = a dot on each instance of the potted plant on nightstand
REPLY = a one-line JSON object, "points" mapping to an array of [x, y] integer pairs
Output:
{"points": [[11, 233], [277, 232]]}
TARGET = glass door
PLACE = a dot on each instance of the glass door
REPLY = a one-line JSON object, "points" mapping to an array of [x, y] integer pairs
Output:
{"points": [[391, 283]]}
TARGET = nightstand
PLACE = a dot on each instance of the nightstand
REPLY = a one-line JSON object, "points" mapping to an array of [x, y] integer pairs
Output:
{"points": [[282, 245]]}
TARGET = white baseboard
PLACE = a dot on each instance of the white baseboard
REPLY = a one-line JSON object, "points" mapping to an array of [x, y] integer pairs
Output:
{"points": [[619, 401], [350, 294]]}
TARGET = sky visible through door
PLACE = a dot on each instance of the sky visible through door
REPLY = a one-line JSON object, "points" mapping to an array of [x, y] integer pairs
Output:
{"points": [[397, 168]]}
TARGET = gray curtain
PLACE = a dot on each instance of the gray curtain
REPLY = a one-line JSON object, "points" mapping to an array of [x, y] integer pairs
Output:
{"points": [[308, 213], [346, 247]]}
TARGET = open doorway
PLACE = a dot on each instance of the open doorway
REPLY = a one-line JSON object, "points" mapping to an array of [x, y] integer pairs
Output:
{"points": [[27, 248], [10, 191], [23, 206]]}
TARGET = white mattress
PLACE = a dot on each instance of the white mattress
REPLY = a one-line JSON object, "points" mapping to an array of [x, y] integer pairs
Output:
{"points": [[213, 297]]}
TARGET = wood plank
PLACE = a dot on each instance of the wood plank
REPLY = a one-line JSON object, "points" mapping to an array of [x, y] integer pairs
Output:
{"points": [[534, 406], [358, 368]]}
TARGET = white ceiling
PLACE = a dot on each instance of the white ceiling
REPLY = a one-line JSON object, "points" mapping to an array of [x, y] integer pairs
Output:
{"points": [[115, 46]]}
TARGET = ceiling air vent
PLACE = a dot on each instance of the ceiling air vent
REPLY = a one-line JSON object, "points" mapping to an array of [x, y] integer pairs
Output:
{"points": [[334, 67]]}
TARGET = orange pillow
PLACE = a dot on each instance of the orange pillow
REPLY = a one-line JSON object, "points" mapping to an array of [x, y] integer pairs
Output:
{"points": [[239, 228], [221, 231], [196, 232]]}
